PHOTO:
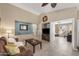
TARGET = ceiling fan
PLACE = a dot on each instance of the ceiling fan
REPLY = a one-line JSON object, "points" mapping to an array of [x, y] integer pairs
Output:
{"points": [[53, 5]]}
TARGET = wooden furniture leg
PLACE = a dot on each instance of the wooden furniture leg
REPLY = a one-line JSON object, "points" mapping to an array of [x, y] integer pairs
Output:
{"points": [[40, 45], [33, 49], [26, 43]]}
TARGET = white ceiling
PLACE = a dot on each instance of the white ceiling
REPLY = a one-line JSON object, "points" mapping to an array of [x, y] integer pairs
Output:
{"points": [[37, 9]]}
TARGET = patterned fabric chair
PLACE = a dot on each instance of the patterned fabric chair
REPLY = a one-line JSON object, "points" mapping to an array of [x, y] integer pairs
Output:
{"points": [[4, 52]]}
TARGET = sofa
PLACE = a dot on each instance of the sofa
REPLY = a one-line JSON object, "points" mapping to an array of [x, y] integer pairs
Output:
{"points": [[4, 52]]}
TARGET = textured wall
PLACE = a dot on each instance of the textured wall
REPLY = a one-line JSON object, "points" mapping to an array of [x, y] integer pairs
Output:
{"points": [[23, 32]]}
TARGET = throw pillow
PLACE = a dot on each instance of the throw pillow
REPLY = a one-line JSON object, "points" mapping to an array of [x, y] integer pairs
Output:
{"points": [[12, 49]]}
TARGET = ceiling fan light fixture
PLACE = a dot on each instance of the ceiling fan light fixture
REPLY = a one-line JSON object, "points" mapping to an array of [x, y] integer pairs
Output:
{"points": [[44, 4], [53, 5]]}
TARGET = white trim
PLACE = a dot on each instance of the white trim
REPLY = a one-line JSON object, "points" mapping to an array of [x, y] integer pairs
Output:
{"points": [[74, 32]]}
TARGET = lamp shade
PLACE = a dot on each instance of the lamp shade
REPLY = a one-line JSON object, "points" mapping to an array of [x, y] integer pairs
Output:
{"points": [[8, 31]]}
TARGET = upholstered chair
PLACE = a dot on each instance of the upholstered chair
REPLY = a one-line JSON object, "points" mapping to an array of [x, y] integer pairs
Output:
{"points": [[23, 51]]}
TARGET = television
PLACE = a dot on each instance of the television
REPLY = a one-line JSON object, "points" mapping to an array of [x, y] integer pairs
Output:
{"points": [[46, 31]]}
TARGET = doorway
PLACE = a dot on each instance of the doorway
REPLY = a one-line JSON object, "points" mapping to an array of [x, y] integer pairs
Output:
{"points": [[70, 35], [64, 30]]}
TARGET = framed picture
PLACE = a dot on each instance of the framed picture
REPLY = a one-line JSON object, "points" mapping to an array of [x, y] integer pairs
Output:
{"points": [[45, 18], [23, 27]]}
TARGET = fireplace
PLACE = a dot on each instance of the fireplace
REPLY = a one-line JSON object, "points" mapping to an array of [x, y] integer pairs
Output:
{"points": [[46, 34]]}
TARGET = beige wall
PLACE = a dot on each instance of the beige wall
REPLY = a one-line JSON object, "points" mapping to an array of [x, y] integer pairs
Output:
{"points": [[11, 13], [0, 12], [61, 14], [58, 15]]}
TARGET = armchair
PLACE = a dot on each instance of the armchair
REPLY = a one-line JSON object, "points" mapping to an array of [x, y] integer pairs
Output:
{"points": [[4, 52]]}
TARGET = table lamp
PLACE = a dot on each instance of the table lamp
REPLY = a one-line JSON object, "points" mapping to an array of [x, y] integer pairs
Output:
{"points": [[8, 32]]}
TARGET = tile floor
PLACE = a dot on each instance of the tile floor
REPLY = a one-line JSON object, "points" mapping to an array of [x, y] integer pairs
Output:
{"points": [[59, 47]]}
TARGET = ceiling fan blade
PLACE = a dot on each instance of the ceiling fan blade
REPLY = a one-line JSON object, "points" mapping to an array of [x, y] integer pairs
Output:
{"points": [[53, 5], [44, 4]]}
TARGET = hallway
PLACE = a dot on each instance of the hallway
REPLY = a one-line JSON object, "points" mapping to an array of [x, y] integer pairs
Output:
{"points": [[60, 47]]}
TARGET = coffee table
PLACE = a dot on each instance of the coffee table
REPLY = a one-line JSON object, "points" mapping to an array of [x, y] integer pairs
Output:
{"points": [[33, 42]]}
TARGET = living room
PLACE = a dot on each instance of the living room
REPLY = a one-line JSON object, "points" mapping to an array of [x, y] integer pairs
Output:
{"points": [[10, 15], [20, 21]]}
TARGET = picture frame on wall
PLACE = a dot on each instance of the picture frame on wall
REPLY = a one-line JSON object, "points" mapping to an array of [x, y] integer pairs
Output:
{"points": [[45, 18], [23, 27]]}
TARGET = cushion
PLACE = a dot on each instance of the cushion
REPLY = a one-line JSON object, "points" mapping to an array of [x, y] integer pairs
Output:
{"points": [[10, 43], [11, 40], [18, 44], [12, 49]]}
